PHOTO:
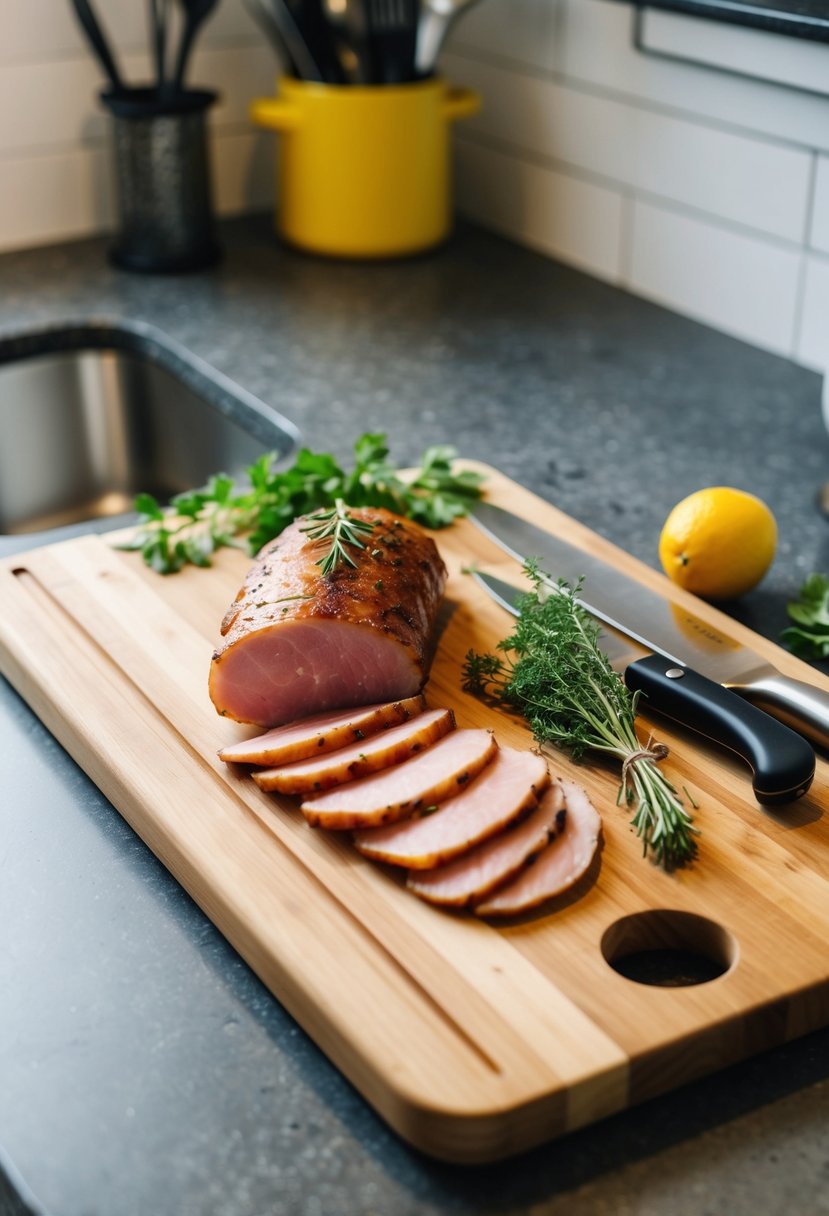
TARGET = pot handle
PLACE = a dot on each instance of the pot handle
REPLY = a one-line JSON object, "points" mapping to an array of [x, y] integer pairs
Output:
{"points": [[275, 114], [460, 103]]}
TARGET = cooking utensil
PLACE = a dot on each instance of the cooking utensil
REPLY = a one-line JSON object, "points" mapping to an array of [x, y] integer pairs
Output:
{"points": [[196, 13], [782, 761], [277, 15], [98, 42], [261, 13], [159, 13], [391, 27], [661, 625], [347, 21], [311, 20], [436, 18]]}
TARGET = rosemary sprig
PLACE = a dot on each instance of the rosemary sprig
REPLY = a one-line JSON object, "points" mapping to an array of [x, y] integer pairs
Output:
{"points": [[552, 669], [343, 530]]}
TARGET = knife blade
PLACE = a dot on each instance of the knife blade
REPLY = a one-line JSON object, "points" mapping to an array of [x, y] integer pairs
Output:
{"points": [[661, 625], [782, 762]]}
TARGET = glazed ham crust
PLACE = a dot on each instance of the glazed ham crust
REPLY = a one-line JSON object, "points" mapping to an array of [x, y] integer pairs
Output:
{"points": [[297, 642]]}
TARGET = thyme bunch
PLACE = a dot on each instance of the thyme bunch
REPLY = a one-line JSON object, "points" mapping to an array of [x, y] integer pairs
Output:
{"points": [[553, 671]]}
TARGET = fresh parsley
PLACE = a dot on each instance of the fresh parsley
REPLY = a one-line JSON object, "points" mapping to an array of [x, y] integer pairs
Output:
{"points": [[220, 514], [809, 636], [553, 671]]}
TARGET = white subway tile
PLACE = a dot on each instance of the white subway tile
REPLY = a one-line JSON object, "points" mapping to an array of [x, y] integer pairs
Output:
{"points": [[567, 218], [50, 105], [50, 198], [761, 184], [243, 171], [724, 278], [239, 74], [70, 195], [813, 339], [598, 49], [819, 237], [38, 30], [524, 30]]}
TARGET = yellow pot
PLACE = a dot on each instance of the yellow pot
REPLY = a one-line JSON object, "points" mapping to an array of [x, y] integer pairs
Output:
{"points": [[364, 171]]}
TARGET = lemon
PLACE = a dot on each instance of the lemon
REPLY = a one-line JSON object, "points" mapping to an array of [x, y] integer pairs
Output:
{"points": [[718, 542]]}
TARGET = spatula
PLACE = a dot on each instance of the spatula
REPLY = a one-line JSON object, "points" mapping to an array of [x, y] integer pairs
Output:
{"points": [[98, 42], [195, 12]]}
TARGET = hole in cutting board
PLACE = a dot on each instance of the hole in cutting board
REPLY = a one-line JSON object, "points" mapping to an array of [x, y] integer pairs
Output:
{"points": [[669, 949]]}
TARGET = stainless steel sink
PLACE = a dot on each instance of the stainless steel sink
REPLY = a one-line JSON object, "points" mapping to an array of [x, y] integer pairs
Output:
{"points": [[83, 429]]}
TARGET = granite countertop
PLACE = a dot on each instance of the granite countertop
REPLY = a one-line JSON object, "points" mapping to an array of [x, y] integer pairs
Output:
{"points": [[143, 1068]]}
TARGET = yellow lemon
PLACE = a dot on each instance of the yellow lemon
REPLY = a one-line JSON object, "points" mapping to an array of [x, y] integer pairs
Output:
{"points": [[718, 542]]}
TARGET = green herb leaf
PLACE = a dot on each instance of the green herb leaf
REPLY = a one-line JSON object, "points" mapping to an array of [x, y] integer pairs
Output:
{"points": [[342, 530], [199, 522], [553, 671], [809, 636]]}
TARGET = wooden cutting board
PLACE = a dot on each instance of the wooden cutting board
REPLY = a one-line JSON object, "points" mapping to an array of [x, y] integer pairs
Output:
{"points": [[473, 1040]]}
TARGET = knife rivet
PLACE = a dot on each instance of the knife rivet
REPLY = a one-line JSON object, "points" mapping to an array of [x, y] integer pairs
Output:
{"points": [[675, 673]]}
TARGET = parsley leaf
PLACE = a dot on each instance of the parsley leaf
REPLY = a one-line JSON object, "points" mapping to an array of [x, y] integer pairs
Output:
{"points": [[809, 636], [220, 514]]}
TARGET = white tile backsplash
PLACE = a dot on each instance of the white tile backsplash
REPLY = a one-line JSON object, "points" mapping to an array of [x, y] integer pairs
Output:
{"points": [[759, 183], [819, 237], [735, 282], [813, 342], [705, 190], [55, 165], [726, 177], [556, 213]]}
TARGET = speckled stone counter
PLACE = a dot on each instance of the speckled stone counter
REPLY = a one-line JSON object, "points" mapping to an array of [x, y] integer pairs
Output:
{"points": [[143, 1068]]}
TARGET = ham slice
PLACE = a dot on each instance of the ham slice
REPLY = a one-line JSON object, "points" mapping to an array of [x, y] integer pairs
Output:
{"points": [[560, 864], [474, 875], [421, 782], [383, 750], [507, 787], [321, 733], [297, 642]]}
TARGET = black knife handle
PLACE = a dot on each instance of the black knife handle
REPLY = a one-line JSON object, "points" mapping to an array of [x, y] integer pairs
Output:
{"points": [[782, 761]]}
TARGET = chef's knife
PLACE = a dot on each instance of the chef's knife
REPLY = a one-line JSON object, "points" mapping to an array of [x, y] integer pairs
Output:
{"points": [[660, 625], [782, 761]]}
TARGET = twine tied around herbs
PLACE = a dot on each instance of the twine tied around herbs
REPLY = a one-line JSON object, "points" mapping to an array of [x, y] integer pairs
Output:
{"points": [[651, 752]]}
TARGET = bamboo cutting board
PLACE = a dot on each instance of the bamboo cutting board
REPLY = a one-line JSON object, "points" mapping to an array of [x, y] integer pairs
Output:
{"points": [[473, 1040]]}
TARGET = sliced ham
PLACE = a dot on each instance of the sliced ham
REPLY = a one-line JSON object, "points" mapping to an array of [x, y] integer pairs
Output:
{"points": [[297, 642], [424, 781], [321, 733], [558, 866], [383, 750], [474, 875], [507, 787]]}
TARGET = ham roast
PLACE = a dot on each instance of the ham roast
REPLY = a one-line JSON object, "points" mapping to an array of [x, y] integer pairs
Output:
{"points": [[297, 642]]}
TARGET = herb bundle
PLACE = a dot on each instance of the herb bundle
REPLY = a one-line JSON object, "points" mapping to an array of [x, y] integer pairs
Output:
{"points": [[553, 671], [199, 522]]}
